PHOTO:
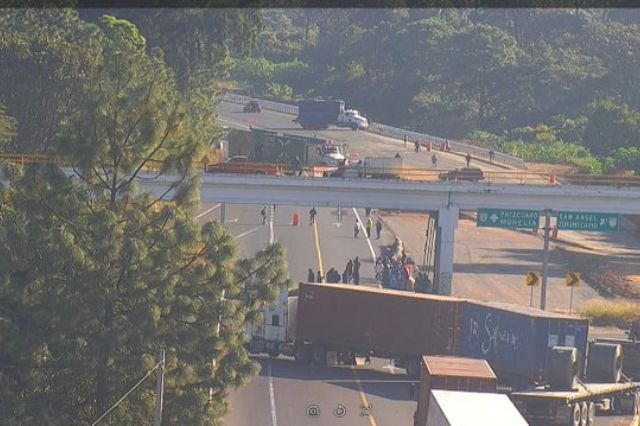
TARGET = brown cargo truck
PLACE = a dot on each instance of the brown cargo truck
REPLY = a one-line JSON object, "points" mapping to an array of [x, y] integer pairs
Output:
{"points": [[452, 373], [365, 321]]}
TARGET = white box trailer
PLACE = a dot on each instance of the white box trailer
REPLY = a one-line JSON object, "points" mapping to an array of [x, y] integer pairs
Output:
{"points": [[456, 408]]}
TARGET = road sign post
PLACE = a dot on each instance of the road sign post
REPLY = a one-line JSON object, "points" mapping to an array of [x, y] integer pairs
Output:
{"points": [[532, 279], [545, 260], [572, 279]]}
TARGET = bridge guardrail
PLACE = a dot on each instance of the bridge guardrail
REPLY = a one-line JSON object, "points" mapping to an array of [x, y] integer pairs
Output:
{"points": [[394, 132]]}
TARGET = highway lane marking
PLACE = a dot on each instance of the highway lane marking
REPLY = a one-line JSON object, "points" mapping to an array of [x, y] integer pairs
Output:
{"points": [[248, 232], [373, 252], [365, 403], [233, 123], [272, 237], [211, 209], [316, 241], [272, 396]]}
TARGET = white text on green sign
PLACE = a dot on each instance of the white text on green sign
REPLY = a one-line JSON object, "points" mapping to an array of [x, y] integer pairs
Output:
{"points": [[499, 218], [587, 221]]}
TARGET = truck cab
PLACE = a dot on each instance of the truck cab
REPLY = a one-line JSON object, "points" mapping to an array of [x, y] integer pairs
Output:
{"points": [[330, 155], [352, 118]]}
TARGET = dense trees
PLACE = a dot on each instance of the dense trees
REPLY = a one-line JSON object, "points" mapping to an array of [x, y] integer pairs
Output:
{"points": [[451, 72], [96, 277]]}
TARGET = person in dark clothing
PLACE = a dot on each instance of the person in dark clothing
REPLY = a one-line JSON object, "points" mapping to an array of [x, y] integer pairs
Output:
{"points": [[263, 213], [319, 276], [491, 155], [397, 155], [310, 277], [356, 271], [367, 211], [349, 270], [333, 276], [468, 158], [312, 215], [417, 147], [434, 161], [378, 228], [345, 277]]}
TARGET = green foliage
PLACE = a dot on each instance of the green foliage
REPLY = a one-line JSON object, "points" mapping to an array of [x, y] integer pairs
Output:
{"points": [[96, 277], [7, 126], [623, 159]]}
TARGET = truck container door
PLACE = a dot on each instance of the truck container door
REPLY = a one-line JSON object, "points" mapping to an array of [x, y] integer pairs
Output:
{"points": [[275, 328]]}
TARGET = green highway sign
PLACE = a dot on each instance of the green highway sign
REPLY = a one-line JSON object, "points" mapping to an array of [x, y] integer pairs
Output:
{"points": [[501, 218], [576, 221]]}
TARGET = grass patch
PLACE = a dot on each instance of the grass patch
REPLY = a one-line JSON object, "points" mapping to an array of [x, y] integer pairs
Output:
{"points": [[611, 313]]}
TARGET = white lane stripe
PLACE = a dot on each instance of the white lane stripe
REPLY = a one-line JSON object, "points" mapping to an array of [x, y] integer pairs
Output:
{"points": [[211, 209], [373, 252], [248, 232], [272, 396], [234, 123]]}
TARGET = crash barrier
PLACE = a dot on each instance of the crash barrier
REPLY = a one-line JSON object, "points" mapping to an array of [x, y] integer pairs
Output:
{"points": [[397, 133], [394, 173]]}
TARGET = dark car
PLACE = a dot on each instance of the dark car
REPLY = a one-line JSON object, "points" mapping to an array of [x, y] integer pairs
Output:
{"points": [[253, 106], [471, 174]]}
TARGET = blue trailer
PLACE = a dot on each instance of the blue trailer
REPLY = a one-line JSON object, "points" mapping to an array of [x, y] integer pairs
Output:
{"points": [[516, 340]]}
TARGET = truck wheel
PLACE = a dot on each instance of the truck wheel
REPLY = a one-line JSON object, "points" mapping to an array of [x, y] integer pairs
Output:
{"points": [[591, 414], [575, 415], [412, 366], [274, 354], [584, 414], [301, 354], [319, 355]]}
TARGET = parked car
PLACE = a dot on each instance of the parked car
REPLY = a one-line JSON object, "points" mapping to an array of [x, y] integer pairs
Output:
{"points": [[253, 106], [472, 174]]}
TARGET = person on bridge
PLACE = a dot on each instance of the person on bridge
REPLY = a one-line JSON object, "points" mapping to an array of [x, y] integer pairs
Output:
{"points": [[406, 140], [312, 215], [263, 213], [491, 155], [397, 155], [468, 158], [368, 225], [356, 271], [378, 228], [319, 276], [417, 146], [434, 161], [356, 228], [298, 165], [310, 277]]}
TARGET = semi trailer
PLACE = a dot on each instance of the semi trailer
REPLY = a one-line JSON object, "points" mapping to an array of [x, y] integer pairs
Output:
{"points": [[319, 114]]}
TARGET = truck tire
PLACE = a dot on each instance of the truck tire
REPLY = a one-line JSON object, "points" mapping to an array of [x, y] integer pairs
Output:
{"points": [[605, 363], [301, 354], [319, 355], [575, 415], [591, 413], [584, 413]]}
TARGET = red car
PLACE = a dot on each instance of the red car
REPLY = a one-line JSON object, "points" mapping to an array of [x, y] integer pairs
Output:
{"points": [[253, 106]]}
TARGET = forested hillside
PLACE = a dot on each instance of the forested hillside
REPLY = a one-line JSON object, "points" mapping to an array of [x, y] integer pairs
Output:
{"points": [[548, 85]]}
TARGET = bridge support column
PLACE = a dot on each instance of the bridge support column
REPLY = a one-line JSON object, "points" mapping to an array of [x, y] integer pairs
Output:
{"points": [[447, 224]]}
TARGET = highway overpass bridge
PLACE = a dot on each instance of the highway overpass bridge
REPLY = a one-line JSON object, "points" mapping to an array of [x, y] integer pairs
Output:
{"points": [[445, 198]]}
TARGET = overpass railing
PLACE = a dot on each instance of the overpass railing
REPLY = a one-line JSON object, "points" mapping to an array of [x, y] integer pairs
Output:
{"points": [[395, 132], [401, 174]]}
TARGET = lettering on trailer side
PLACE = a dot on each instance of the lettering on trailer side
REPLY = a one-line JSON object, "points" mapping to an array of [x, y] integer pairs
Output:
{"points": [[487, 335]]}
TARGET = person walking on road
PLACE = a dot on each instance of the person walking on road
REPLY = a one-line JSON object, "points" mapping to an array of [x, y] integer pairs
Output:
{"points": [[468, 158], [368, 225], [349, 270], [378, 228], [319, 276], [397, 155], [356, 271], [312, 215], [367, 211], [263, 213], [356, 228], [491, 155], [434, 161], [406, 140], [310, 277], [416, 146]]}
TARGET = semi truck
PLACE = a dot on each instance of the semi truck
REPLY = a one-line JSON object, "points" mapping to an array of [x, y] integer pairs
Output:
{"points": [[540, 356], [319, 114]]}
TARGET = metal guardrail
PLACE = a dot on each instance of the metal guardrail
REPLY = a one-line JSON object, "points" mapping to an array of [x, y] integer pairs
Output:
{"points": [[395, 132], [410, 174]]}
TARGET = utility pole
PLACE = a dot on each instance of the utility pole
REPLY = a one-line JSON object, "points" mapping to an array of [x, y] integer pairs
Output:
{"points": [[159, 388], [545, 260]]}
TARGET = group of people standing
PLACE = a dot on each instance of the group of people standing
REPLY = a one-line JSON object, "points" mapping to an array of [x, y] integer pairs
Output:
{"points": [[350, 275], [368, 224]]}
